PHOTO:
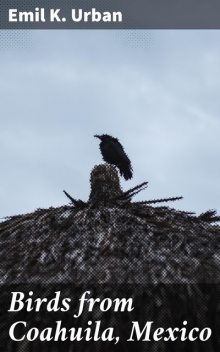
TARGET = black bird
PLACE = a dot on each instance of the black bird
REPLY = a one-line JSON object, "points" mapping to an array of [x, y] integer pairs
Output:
{"points": [[113, 153]]}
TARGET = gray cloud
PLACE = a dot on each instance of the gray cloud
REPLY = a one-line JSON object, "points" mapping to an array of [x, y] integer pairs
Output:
{"points": [[161, 100]]}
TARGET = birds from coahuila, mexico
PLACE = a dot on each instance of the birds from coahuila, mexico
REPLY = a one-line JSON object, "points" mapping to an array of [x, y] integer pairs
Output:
{"points": [[113, 153]]}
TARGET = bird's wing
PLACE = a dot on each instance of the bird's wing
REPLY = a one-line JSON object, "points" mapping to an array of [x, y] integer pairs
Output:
{"points": [[118, 151]]}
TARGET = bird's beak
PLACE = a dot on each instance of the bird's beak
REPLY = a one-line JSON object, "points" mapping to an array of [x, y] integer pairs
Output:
{"points": [[97, 136]]}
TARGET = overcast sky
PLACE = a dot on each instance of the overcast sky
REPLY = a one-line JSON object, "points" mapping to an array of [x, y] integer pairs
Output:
{"points": [[157, 91]]}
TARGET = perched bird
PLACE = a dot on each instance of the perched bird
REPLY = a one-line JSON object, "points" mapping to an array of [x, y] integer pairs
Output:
{"points": [[113, 153]]}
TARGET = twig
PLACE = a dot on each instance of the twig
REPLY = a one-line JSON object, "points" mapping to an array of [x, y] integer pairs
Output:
{"points": [[154, 201], [209, 216], [132, 191], [74, 201]]}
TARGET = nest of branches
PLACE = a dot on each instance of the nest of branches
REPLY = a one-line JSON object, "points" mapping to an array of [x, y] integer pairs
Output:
{"points": [[167, 260]]}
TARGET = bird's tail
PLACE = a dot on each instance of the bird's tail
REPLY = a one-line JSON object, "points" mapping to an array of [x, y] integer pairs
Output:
{"points": [[126, 172]]}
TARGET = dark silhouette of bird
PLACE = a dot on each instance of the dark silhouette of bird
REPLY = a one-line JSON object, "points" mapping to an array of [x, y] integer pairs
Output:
{"points": [[113, 153]]}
